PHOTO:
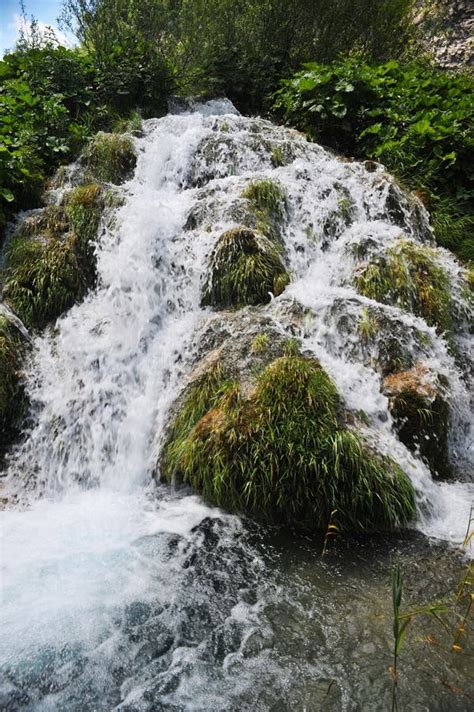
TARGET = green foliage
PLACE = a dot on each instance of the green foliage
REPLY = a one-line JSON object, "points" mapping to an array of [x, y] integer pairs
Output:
{"points": [[284, 454], [111, 157], [410, 278], [244, 268], [49, 265], [11, 392], [260, 344], [414, 118]]}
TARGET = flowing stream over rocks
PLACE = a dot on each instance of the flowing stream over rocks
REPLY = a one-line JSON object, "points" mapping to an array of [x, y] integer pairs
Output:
{"points": [[118, 593]]}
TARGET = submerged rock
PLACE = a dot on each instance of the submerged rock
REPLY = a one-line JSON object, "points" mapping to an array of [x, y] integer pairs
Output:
{"points": [[420, 410], [245, 268]]}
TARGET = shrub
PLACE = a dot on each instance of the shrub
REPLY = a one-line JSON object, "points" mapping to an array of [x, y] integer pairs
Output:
{"points": [[410, 278], [245, 267], [283, 453]]}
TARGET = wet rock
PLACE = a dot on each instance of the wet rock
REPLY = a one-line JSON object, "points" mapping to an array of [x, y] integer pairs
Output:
{"points": [[417, 399]]}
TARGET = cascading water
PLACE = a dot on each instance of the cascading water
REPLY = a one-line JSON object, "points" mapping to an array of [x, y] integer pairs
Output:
{"points": [[117, 594]]}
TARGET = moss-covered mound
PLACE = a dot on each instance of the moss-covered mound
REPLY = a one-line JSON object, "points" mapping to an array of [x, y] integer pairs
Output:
{"points": [[50, 262], [421, 415], [267, 202], [409, 277], [111, 157], [282, 452], [12, 401], [245, 267]]}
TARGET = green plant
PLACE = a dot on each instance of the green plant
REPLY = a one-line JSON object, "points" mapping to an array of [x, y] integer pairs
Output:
{"points": [[245, 267], [12, 401], [283, 452], [409, 277], [111, 157], [259, 343]]}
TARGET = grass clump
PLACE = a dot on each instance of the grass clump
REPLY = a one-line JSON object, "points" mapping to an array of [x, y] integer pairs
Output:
{"points": [[51, 266], [245, 267], [267, 201], [284, 454], [11, 392], [111, 157], [259, 344], [409, 277]]}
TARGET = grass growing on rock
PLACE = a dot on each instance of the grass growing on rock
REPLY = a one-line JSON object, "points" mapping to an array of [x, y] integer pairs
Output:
{"points": [[245, 267], [111, 157], [267, 201], [11, 395], [283, 453], [410, 278], [50, 266]]}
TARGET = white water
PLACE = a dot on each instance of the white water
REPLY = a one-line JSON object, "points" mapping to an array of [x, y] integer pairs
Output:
{"points": [[101, 538]]}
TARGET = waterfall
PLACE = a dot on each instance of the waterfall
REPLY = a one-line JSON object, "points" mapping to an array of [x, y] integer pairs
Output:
{"points": [[95, 550]]}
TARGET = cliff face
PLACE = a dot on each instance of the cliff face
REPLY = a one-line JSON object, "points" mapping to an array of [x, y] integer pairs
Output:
{"points": [[448, 27]]}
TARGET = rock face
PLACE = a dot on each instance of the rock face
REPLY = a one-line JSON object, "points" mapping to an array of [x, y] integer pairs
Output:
{"points": [[260, 429], [421, 414], [448, 28]]}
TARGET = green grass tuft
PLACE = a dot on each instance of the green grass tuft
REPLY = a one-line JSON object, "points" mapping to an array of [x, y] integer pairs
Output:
{"points": [[284, 454], [47, 270], [267, 201], [244, 268], [111, 157]]}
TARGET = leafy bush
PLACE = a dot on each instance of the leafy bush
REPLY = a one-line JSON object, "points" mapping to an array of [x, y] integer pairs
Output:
{"points": [[415, 118]]}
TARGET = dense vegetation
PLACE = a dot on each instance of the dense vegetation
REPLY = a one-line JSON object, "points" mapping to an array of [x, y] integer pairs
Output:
{"points": [[134, 54]]}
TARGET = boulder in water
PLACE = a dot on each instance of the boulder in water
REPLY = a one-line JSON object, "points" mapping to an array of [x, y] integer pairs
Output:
{"points": [[421, 414], [261, 429]]}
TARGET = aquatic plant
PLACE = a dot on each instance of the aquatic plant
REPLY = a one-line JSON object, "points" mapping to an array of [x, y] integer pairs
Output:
{"points": [[283, 453], [111, 157], [277, 156], [259, 343], [409, 277], [245, 268]]}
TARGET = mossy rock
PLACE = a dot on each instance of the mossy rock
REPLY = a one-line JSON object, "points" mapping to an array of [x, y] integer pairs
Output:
{"points": [[266, 200], [282, 451], [12, 397], [111, 157], [245, 268], [421, 415], [409, 277], [50, 265]]}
